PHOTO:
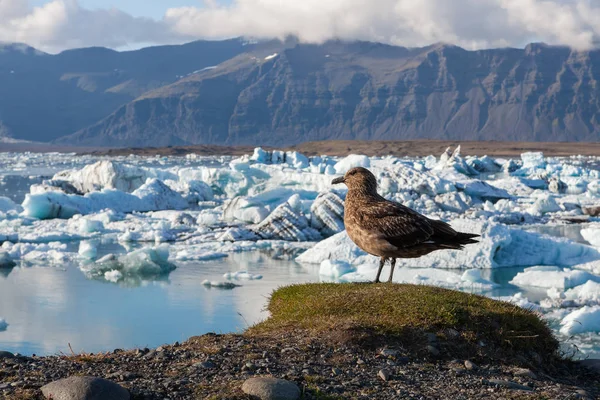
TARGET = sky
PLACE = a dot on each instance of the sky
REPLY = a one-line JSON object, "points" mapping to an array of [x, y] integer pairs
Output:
{"points": [[56, 25]]}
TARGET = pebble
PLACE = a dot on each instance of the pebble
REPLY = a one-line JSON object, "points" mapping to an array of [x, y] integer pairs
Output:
{"points": [[471, 366], [205, 365], [384, 374], [336, 371], [433, 350], [524, 372], [360, 361], [509, 384], [389, 352], [271, 389]]}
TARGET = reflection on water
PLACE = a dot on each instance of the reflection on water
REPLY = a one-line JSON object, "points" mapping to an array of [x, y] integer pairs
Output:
{"points": [[48, 307]]}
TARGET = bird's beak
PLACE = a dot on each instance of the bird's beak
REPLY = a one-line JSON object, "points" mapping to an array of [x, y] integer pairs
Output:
{"points": [[338, 180]]}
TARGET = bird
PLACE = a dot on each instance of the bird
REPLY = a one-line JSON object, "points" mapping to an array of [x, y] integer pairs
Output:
{"points": [[388, 229]]}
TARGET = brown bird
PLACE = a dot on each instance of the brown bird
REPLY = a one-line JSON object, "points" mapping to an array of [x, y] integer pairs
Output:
{"points": [[388, 229]]}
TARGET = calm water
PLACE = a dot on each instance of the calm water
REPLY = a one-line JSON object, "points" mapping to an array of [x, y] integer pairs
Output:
{"points": [[49, 307]]}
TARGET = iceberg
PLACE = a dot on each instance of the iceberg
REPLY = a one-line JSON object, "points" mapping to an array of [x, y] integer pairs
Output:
{"points": [[105, 174], [585, 319], [499, 246], [327, 214], [351, 161], [144, 262], [152, 196], [553, 277], [335, 269], [587, 293], [287, 223], [88, 249], [241, 275], [7, 205], [592, 235], [219, 285]]}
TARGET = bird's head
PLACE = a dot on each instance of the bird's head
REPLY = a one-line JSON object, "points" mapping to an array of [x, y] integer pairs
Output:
{"points": [[358, 178]]}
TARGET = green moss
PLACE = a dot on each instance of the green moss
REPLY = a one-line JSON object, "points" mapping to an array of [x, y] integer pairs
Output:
{"points": [[398, 310]]}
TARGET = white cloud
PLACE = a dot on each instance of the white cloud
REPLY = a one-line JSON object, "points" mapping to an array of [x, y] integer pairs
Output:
{"points": [[469, 23], [61, 24]]}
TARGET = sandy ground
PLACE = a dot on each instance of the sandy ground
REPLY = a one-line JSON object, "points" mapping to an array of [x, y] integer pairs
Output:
{"points": [[340, 148]]}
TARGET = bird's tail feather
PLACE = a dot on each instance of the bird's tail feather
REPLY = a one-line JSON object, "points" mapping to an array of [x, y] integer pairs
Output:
{"points": [[466, 238]]}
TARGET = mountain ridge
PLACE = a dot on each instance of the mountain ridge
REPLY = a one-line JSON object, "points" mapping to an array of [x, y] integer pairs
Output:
{"points": [[282, 93]]}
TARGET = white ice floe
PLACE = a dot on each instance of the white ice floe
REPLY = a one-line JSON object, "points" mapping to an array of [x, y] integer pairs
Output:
{"points": [[335, 269], [545, 203], [585, 319], [469, 281], [153, 195], [553, 277], [242, 275], [219, 285], [106, 174], [287, 223], [587, 293], [351, 161], [327, 214], [113, 275], [499, 246], [88, 249], [144, 262], [7, 205], [520, 300], [3, 325], [592, 235]]}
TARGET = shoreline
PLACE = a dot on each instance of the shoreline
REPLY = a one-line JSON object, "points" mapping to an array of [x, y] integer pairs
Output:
{"points": [[216, 366], [399, 148]]}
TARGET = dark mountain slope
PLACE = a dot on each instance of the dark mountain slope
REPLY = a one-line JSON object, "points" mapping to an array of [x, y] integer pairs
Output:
{"points": [[46, 96], [365, 90]]}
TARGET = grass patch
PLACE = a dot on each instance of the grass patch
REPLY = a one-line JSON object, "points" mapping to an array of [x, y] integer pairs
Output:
{"points": [[406, 312]]}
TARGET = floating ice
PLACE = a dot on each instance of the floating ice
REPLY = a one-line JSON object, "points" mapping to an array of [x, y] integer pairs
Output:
{"points": [[585, 319], [453, 160], [482, 190], [106, 174], [153, 195], [521, 301], [553, 277], [351, 161], [589, 292], [144, 262], [113, 275], [285, 223], [592, 235], [424, 276], [499, 246], [7, 205], [327, 214], [219, 285], [453, 202], [335, 269], [3, 325], [545, 203], [88, 249], [5, 260], [242, 275]]}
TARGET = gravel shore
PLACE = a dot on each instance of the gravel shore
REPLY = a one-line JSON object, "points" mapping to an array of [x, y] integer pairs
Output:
{"points": [[215, 367]]}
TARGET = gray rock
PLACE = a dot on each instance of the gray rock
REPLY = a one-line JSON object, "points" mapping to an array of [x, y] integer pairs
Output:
{"points": [[591, 363], [508, 384], [471, 366], [6, 354], [84, 388], [205, 365], [271, 389], [389, 352], [384, 374], [433, 350], [336, 371], [524, 372]]}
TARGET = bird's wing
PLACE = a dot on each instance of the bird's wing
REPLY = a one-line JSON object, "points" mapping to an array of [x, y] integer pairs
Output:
{"points": [[398, 224]]}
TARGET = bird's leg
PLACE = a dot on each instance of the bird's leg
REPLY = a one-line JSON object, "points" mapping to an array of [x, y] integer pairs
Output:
{"points": [[381, 264], [392, 265]]}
